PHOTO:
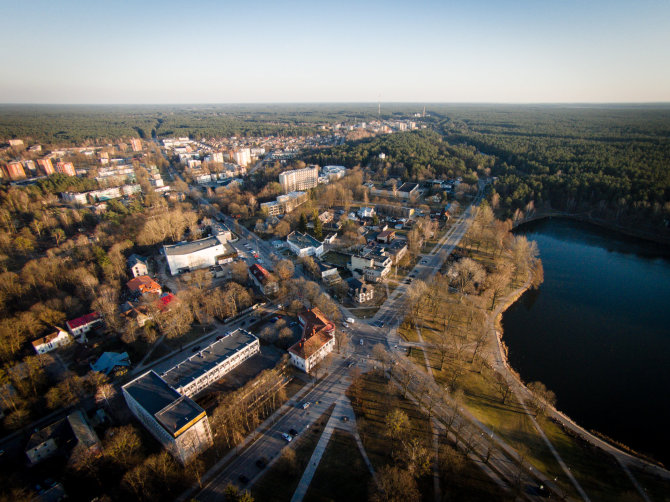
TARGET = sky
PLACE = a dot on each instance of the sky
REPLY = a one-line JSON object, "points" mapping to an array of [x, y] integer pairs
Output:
{"points": [[255, 51]]}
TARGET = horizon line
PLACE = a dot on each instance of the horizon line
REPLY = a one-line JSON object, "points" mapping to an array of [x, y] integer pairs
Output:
{"points": [[204, 103]]}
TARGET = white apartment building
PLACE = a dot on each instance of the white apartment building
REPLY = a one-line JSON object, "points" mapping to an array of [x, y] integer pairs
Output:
{"points": [[211, 363], [242, 157], [299, 179]]}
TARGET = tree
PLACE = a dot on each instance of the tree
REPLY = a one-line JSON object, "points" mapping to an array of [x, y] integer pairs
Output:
{"points": [[397, 423], [122, 445], [394, 485], [341, 339], [502, 386], [543, 397], [284, 269], [302, 223], [416, 457]]}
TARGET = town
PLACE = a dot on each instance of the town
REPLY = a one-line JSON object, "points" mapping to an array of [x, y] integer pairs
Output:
{"points": [[201, 317]]}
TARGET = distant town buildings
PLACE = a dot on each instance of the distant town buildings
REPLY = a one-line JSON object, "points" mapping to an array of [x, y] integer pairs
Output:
{"points": [[299, 179], [14, 171], [46, 166], [136, 144], [242, 157], [176, 421], [66, 168]]}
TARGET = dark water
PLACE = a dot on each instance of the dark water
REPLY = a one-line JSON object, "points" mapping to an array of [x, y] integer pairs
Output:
{"points": [[597, 332]]}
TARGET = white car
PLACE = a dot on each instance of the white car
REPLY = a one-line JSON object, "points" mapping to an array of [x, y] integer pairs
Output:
{"points": [[287, 437], [361, 341]]}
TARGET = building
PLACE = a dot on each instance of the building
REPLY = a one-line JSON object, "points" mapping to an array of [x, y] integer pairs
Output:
{"points": [[329, 275], [408, 190], [333, 172], [74, 197], [360, 291], [299, 179], [52, 341], [16, 142], [187, 256], [112, 362], [144, 285], [136, 144], [138, 265], [176, 421], [317, 341], [46, 166], [373, 263], [304, 244], [84, 434], [386, 236], [263, 279], [366, 212], [211, 363], [396, 250], [42, 443], [242, 157], [285, 203], [66, 168], [14, 171], [81, 325]]}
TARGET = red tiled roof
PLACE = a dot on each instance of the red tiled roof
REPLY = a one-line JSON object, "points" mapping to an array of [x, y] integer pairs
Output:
{"points": [[305, 348], [83, 320], [259, 273], [143, 284], [164, 301], [317, 331]]}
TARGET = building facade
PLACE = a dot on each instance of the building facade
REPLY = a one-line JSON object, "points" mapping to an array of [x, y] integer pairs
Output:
{"points": [[81, 325], [52, 341], [176, 421], [188, 256], [317, 341], [66, 168], [137, 265], [46, 166], [299, 179], [304, 244]]}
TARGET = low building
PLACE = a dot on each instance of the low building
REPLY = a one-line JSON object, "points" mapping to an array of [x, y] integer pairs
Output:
{"points": [[408, 190], [263, 279], [176, 421], [138, 313], [144, 285], [329, 275], [373, 263], [84, 434], [112, 362], [366, 212], [284, 204], [396, 250], [81, 325], [187, 256], [211, 363], [138, 265], [304, 244], [386, 236], [360, 291], [52, 341], [42, 443], [317, 341]]}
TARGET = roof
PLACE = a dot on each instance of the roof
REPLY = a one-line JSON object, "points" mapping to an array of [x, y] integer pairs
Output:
{"points": [[259, 272], [142, 283], [51, 431], [83, 320], [82, 429], [191, 247], [165, 300], [306, 347], [172, 410], [385, 233], [303, 240], [313, 320], [407, 187], [197, 365], [110, 360], [354, 283], [48, 338], [134, 259]]}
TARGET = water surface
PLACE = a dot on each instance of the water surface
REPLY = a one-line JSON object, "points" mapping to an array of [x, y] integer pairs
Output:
{"points": [[597, 332]]}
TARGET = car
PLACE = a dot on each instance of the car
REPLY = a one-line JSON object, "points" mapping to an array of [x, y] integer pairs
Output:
{"points": [[219, 337], [243, 479], [351, 363], [306, 405], [293, 432], [361, 341], [196, 348], [287, 437], [345, 325], [261, 463], [424, 261], [351, 320]]}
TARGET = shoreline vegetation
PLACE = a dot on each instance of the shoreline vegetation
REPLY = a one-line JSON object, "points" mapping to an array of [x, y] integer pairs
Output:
{"points": [[458, 315]]}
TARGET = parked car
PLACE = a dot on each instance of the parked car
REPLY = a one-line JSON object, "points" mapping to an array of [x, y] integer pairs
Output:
{"points": [[293, 432], [306, 405], [196, 348], [287, 437]]}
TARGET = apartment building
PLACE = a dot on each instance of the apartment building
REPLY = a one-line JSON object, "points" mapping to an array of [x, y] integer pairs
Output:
{"points": [[299, 179]]}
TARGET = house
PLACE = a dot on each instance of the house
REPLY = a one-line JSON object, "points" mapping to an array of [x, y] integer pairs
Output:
{"points": [[371, 262], [330, 238], [329, 275], [138, 313], [263, 279], [165, 302], [360, 291], [112, 362], [143, 285], [42, 443], [304, 244], [84, 434], [317, 341], [81, 325], [52, 341], [366, 212], [396, 250], [326, 217], [386, 236], [138, 265]]}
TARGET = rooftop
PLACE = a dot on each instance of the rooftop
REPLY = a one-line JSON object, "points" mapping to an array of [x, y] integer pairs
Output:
{"points": [[407, 187], [191, 247], [172, 410], [306, 347], [141, 283], [209, 357], [83, 320], [303, 240]]}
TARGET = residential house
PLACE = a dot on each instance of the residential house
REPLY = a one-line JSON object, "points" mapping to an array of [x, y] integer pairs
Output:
{"points": [[81, 325], [366, 212], [329, 275], [386, 236], [138, 265], [52, 341], [396, 250], [360, 291], [317, 341], [371, 262], [263, 279], [143, 285], [112, 362]]}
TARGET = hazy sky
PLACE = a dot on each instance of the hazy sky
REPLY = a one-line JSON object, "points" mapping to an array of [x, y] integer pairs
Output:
{"points": [[195, 51]]}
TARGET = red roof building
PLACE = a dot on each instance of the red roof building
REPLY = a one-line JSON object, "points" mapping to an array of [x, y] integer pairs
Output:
{"points": [[144, 285], [81, 325], [318, 340]]}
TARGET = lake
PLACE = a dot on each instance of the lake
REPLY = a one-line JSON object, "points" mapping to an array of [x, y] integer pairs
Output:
{"points": [[597, 331]]}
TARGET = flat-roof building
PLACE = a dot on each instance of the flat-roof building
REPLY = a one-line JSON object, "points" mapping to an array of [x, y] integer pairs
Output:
{"points": [[176, 421], [211, 363], [299, 179], [187, 256], [304, 244]]}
